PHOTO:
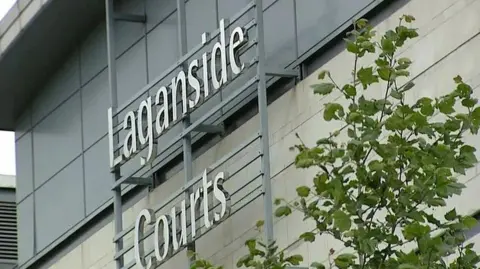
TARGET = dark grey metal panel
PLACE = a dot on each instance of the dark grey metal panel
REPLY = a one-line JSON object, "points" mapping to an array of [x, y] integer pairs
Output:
{"points": [[131, 72], [228, 8], [24, 168], [318, 18], [201, 16], [94, 53], [25, 230], [280, 34], [39, 50], [95, 101], [57, 140], [157, 11], [126, 32], [60, 87], [23, 124], [98, 180], [162, 45], [59, 204]]}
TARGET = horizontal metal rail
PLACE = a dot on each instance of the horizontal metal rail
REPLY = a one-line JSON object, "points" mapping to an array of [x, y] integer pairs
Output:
{"points": [[194, 125], [258, 192], [183, 59], [196, 179]]}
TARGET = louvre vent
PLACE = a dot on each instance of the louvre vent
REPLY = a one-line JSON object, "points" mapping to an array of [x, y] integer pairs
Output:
{"points": [[8, 231]]}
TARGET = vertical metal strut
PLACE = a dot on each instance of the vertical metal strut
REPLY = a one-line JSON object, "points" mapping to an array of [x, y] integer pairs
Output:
{"points": [[187, 139], [112, 79], [262, 108]]}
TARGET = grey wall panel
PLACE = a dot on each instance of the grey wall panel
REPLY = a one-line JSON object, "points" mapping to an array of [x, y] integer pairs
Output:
{"points": [[162, 45], [127, 33], [280, 34], [157, 11], [131, 72], [318, 18], [95, 102], [98, 180], [201, 18], [23, 124], [59, 204], [228, 9], [268, 3], [94, 53], [24, 168], [57, 140], [25, 229], [61, 86]]}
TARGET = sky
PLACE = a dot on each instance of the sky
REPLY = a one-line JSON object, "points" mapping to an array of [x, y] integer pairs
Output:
{"points": [[7, 139]]}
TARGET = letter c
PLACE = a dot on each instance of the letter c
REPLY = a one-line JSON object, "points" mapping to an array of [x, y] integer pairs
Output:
{"points": [[146, 216]]}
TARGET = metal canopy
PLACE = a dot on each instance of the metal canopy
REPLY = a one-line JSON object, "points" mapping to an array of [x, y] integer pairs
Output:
{"points": [[40, 49]]}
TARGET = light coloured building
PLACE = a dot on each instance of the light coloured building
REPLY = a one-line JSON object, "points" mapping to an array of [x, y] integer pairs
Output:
{"points": [[65, 63]]}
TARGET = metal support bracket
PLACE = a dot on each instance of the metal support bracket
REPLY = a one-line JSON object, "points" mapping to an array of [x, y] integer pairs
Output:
{"points": [[283, 73], [212, 129], [143, 181], [130, 17]]}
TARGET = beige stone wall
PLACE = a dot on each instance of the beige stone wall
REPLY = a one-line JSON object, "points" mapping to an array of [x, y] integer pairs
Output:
{"points": [[447, 46]]}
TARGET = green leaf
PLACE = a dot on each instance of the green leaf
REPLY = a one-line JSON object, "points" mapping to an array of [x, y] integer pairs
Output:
{"points": [[404, 60], [361, 23], [323, 73], [323, 88], [436, 202], [295, 259], [469, 102], [451, 215], [251, 244], [476, 113], [352, 47], [342, 220], [303, 191], [259, 224], [350, 90], [277, 201], [409, 85], [458, 79], [308, 236], [446, 105], [397, 95], [317, 265], [402, 73], [333, 111], [408, 18], [366, 76], [283, 211], [388, 46], [415, 230], [344, 260], [469, 222], [385, 73]]}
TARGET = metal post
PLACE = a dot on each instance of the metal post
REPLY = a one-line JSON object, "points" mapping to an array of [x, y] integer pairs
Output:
{"points": [[262, 108], [187, 140], [112, 79]]}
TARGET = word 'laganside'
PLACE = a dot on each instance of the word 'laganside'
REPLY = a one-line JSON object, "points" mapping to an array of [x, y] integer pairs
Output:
{"points": [[139, 123]]}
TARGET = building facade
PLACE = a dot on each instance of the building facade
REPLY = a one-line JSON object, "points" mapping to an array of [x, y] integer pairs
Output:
{"points": [[84, 85]]}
